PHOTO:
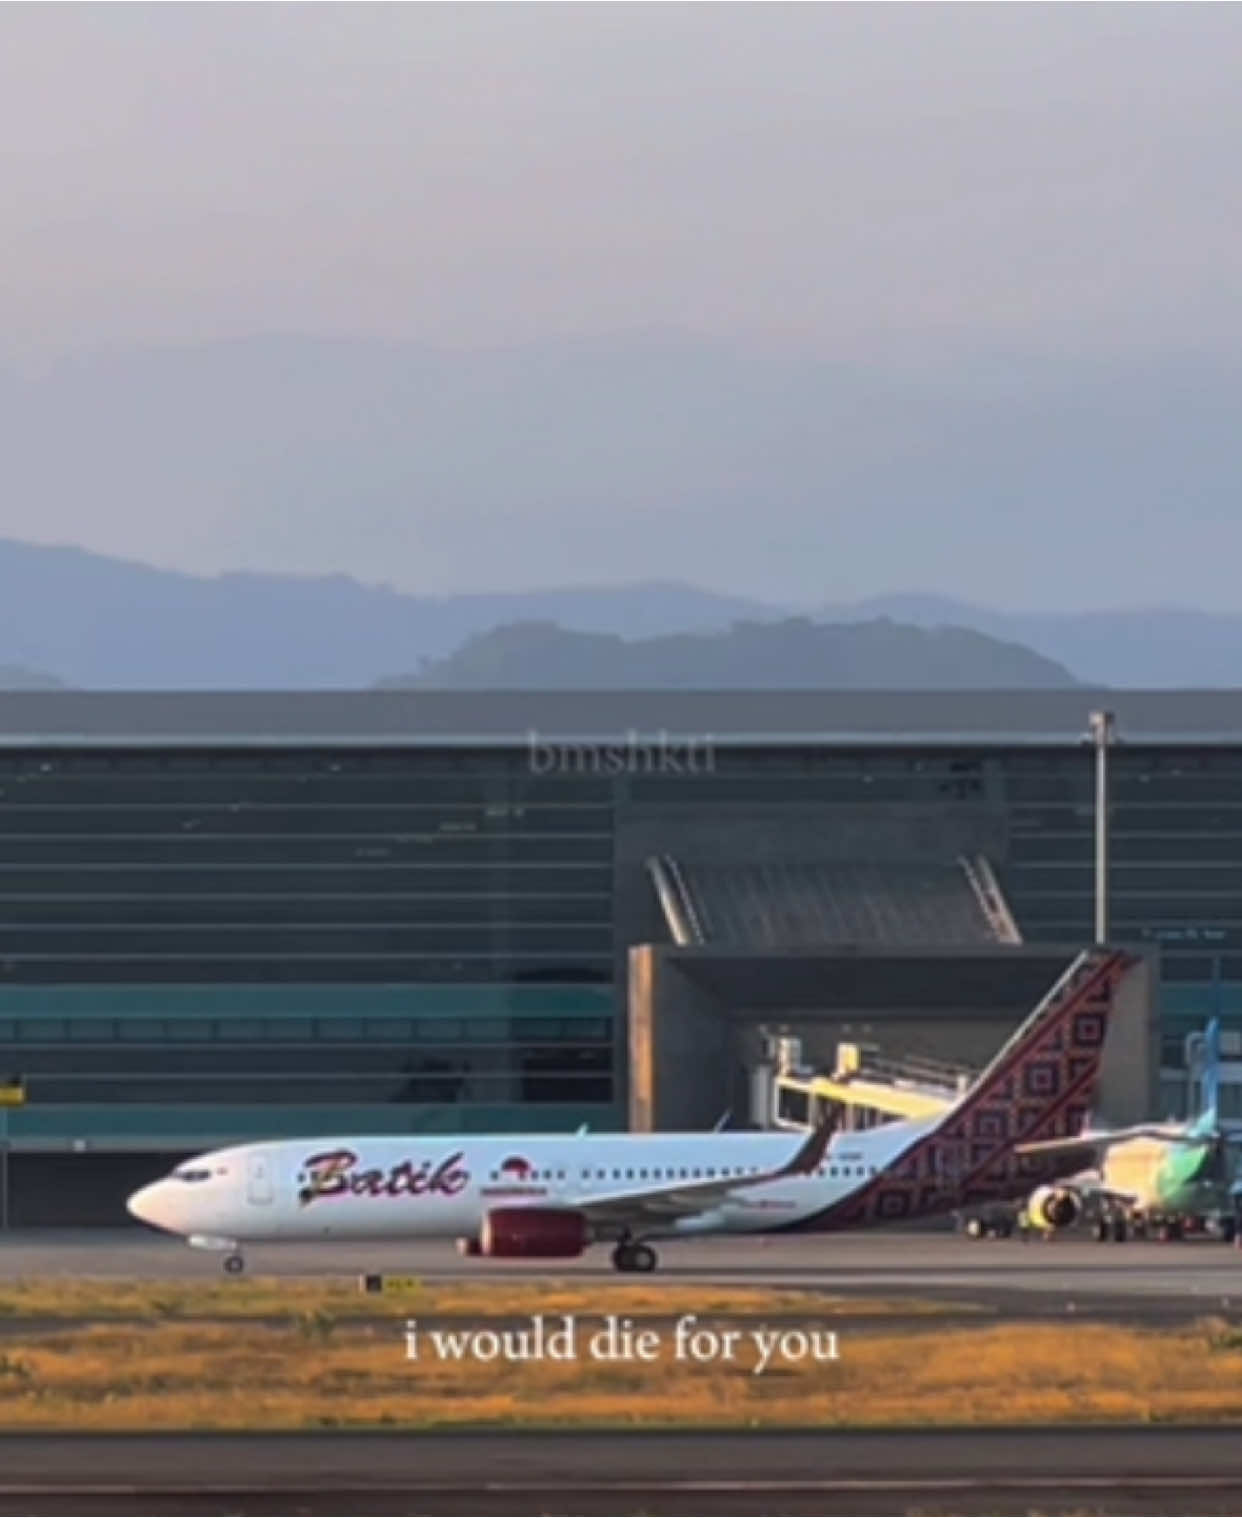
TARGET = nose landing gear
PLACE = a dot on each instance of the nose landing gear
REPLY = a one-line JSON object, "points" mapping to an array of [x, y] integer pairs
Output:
{"points": [[234, 1264]]}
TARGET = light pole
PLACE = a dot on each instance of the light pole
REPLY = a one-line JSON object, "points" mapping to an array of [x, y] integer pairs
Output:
{"points": [[1103, 729]]}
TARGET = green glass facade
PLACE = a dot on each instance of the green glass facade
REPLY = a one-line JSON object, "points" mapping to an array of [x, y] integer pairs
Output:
{"points": [[199, 946]]}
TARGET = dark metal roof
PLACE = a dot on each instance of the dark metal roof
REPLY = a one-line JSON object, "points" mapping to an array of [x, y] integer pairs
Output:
{"points": [[469, 718], [791, 903]]}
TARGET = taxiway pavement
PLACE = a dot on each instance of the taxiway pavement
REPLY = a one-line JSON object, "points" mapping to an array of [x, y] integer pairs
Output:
{"points": [[1064, 1274]]}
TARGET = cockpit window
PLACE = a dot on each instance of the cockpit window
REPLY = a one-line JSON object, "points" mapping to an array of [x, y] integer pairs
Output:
{"points": [[189, 1173]]}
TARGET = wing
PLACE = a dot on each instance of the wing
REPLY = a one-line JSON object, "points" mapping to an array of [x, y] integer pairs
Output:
{"points": [[679, 1199], [1100, 1143]]}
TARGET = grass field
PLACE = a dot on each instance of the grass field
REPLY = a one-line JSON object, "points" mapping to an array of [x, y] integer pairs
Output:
{"points": [[322, 1369]]}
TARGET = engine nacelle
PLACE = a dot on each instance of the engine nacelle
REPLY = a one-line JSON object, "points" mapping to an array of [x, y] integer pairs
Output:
{"points": [[1053, 1207], [533, 1233]]}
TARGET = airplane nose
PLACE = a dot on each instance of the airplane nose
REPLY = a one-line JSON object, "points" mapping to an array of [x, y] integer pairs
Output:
{"points": [[150, 1205]]}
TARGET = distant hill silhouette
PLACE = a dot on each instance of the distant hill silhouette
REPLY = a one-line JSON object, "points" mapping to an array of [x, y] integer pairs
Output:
{"points": [[105, 623], [96, 622], [1164, 646], [795, 653]]}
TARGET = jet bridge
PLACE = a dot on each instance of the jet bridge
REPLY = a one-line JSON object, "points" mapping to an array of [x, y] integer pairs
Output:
{"points": [[868, 1087]]}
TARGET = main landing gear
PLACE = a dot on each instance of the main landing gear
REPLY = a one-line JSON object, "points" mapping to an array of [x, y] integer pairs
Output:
{"points": [[234, 1264], [636, 1257]]}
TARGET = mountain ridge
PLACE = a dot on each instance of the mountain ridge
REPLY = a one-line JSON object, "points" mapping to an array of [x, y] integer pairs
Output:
{"points": [[94, 621]]}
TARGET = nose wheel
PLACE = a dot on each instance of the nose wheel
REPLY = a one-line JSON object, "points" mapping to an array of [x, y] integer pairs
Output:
{"points": [[634, 1257], [234, 1264]]}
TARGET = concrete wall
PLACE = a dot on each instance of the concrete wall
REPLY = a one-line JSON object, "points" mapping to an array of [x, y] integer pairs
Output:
{"points": [[685, 1069]]}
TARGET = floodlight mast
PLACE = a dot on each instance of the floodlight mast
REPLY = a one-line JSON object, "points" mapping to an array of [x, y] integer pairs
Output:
{"points": [[1103, 732]]}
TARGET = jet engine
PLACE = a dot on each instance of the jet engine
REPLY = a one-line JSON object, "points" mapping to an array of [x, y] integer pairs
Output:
{"points": [[1054, 1207], [533, 1233]]}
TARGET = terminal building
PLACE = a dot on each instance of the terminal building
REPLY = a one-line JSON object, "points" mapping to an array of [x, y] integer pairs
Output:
{"points": [[233, 916]]}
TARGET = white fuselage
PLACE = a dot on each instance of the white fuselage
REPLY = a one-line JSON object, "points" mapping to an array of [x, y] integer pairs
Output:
{"points": [[442, 1187]]}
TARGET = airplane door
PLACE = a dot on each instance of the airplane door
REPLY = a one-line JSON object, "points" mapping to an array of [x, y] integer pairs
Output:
{"points": [[260, 1191]]}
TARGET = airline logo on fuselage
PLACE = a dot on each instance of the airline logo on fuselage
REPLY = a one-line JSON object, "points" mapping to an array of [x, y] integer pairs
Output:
{"points": [[335, 1173], [514, 1176]]}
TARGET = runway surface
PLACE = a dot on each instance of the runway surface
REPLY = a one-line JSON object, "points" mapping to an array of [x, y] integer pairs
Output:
{"points": [[1065, 1274], [1151, 1470]]}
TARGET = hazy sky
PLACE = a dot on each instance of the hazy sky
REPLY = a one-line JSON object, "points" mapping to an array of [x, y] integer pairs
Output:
{"points": [[887, 183]]}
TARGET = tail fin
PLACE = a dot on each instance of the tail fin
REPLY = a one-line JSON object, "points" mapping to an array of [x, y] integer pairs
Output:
{"points": [[1054, 1054], [1209, 1080], [1040, 1086]]}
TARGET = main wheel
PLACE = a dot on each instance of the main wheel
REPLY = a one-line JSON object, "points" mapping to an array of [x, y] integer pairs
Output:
{"points": [[234, 1264], [1119, 1230], [634, 1257], [1101, 1230], [623, 1257], [1228, 1229]]}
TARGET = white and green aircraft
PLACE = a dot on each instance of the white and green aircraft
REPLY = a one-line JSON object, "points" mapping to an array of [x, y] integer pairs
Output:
{"points": [[1165, 1179]]}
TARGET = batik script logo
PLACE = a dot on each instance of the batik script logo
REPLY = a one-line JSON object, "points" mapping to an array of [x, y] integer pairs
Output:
{"points": [[335, 1173]]}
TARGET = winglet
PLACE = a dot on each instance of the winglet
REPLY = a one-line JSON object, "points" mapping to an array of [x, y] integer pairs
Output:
{"points": [[1209, 1084], [807, 1160]]}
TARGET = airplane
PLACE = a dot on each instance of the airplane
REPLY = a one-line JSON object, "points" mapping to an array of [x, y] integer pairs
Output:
{"points": [[1153, 1176], [551, 1196]]}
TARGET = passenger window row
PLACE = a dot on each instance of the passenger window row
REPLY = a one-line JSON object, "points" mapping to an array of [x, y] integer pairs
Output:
{"points": [[684, 1173]]}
